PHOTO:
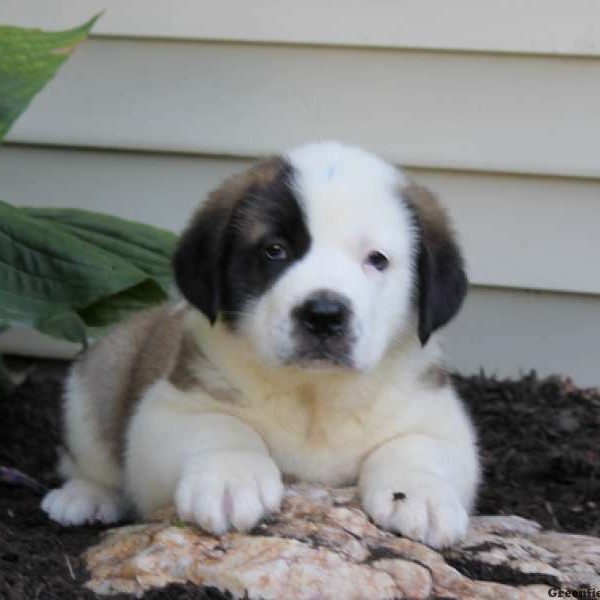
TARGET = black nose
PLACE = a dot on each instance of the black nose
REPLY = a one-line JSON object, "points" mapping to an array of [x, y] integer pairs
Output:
{"points": [[323, 314]]}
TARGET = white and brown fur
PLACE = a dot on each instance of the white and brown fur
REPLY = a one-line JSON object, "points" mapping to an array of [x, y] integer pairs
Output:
{"points": [[207, 403]]}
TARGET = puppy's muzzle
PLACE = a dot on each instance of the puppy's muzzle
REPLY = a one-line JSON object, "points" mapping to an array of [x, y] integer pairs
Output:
{"points": [[324, 314]]}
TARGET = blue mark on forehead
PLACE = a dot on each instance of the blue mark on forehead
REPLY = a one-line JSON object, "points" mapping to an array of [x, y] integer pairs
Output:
{"points": [[330, 171]]}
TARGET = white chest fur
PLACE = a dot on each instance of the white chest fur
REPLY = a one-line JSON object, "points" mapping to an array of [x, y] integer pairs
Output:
{"points": [[314, 440], [320, 427], [319, 434]]}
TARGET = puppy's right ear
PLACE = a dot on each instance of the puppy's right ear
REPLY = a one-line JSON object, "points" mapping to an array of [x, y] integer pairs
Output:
{"points": [[197, 262], [441, 282]]}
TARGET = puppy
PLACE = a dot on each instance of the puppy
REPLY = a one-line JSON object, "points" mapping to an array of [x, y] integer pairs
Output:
{"points": [[314, 284]]}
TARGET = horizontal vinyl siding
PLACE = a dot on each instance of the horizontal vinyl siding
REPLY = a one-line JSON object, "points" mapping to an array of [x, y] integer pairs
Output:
{"points": [[494, 105], [528, 26], [524, 232], [510, 332], [440, 110]]}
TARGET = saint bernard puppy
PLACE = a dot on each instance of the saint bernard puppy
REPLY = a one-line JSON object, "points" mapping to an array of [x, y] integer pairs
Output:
{"points": [[314, 284]]}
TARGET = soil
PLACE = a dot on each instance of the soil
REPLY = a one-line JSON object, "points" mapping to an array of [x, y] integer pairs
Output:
{"points": [[538, 441]]}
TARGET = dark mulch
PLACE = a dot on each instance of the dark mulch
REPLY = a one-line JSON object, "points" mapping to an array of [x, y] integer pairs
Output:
{"points": [[538, 438], [38, 558], [540, 448]]}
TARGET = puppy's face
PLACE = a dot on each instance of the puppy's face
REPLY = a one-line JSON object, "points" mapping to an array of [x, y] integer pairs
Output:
{"points": [[321, 258]]}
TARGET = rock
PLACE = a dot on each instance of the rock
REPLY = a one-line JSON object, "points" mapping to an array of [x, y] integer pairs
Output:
{"points": [[323, 546]]}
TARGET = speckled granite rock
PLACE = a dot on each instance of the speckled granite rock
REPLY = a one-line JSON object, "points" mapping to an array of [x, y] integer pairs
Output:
{"points": [[322, 546]]}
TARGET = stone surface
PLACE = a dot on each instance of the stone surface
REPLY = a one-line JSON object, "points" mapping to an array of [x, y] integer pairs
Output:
{"points": [[322, 546]]}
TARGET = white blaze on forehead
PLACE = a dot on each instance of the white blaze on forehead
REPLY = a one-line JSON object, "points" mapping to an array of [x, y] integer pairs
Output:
{"points": [[350, 196]]}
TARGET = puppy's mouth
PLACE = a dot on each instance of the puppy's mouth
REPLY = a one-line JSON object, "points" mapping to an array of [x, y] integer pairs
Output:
{"points": [[320, 359]]}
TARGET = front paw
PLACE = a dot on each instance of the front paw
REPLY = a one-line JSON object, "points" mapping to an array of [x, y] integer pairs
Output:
{"points": [[423, 508], [80, 501], [228, 489]]}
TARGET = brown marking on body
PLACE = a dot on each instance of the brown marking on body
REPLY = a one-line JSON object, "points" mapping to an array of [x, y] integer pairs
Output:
{"points": [[435, 376], [188, 369], [183, 375], [120, 367]]}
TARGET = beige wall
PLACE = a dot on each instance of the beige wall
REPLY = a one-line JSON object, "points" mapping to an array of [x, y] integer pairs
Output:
{"points": [[167, 99]]}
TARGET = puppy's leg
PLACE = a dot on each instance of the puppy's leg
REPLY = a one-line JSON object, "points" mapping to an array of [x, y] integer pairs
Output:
{"points": [[92, 489], [215, 468], [421, 487]]}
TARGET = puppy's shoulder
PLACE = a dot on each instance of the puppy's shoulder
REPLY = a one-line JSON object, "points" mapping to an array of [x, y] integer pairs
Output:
{"points": [[417, 382]]}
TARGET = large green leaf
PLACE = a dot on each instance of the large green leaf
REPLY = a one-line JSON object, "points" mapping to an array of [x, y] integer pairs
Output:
{"points": [[107, 311], [68, 272], [46, 271], [148, 248], [66, 325], [29, 58]]}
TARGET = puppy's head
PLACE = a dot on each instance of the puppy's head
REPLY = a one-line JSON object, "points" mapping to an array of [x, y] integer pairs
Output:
{"points": [[321, 258]]}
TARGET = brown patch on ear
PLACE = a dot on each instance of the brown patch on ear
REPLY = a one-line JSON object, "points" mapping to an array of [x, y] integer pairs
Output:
{"points": [[198, 259], [432, 216], [441, 280]]}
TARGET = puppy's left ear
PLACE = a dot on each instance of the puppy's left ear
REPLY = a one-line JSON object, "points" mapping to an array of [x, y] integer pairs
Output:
{"points": [[440, 275]]}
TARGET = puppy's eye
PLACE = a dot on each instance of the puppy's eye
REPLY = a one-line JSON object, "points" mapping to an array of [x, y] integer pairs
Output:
{"points": [[378, 260], [275, 251]]}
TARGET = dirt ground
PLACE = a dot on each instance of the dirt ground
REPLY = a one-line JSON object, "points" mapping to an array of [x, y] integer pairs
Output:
{"points": [[538, 440]]}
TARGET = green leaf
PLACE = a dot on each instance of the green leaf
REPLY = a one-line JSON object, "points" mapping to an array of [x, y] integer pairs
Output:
{"points": [[148, 248], [45, 271], [110, 310], [29, 58], [67, 325]]}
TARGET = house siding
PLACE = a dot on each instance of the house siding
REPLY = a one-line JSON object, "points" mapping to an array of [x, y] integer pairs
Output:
{"points": [[497, 113]]}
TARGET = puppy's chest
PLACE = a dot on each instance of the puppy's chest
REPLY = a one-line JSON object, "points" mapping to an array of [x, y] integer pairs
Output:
{"points": [[315, 441]]}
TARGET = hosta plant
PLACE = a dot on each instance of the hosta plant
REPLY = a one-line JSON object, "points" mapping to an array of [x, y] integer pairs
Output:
{"points": [[67, 272]]}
